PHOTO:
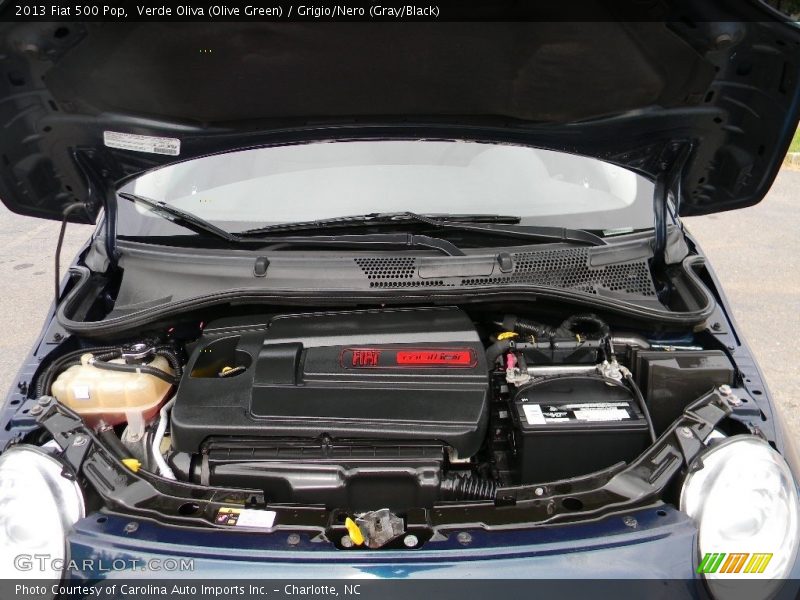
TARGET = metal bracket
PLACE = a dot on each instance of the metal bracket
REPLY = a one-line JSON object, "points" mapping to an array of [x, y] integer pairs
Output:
{"points": [[181, 503]]}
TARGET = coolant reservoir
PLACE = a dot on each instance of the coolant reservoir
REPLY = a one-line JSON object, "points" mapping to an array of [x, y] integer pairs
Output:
{"points": [[112, 396]]}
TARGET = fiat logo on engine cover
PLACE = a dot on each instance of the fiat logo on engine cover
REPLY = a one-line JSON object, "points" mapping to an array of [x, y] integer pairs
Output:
{"points": [[365, 358]]}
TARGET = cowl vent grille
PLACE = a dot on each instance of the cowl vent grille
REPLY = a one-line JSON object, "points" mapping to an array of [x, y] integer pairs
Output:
{"points": [[407, 284], [571, 269], [388, 268], [564, 268]]}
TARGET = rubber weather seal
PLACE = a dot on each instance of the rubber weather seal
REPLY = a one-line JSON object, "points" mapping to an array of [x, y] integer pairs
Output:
{"points": [[135, 321]]}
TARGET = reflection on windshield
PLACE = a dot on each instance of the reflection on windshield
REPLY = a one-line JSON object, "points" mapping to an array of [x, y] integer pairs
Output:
{"points": [[325, 180]]}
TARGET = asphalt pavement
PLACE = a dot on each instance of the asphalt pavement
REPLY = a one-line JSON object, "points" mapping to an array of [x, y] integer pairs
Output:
{"points": [[755, 252]]}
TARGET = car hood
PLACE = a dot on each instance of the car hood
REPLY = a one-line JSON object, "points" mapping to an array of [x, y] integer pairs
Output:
{"points": [[85, 106]]}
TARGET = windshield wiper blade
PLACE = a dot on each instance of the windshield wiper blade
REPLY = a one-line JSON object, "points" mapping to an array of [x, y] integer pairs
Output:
{"points": [[179, 217], [374, 239], [537, 233], [203, 227], [497, 225], [380, 219], [254, 236]]}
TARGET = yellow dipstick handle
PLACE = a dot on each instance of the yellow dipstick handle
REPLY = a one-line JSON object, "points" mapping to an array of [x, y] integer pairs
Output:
{"points": [[132, 463], [507, 335]]}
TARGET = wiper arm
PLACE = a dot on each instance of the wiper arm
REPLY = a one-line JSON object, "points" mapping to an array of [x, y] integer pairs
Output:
{"points": [[380, 219], [201, 226], [179, 217], [375, 239], [538, 233], [497, 225]]}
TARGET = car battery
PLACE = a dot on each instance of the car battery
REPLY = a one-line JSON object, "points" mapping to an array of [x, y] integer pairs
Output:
{"points": [[574, 425]]}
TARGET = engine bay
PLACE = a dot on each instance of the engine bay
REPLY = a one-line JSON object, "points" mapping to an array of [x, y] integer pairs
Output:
{"points": [[392, 409], [371, 375]]}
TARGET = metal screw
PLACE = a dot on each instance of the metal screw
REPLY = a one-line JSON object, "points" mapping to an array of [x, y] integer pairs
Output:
{"points": [[45, 400], [734, 400], [686, 432], [293, 539], [80, 440], [36, 410], [347, 542], [464, 538], [539, 491], [410, 540], [725, 390], [630, 522], [716, 326], [131, 527]]}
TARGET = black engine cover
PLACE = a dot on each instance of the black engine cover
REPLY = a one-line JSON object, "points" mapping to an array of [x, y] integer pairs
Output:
{"points": [[381, 374]]}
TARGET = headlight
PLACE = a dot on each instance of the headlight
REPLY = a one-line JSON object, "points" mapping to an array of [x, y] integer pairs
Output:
{"points": [[744, 500], [37, 507]]}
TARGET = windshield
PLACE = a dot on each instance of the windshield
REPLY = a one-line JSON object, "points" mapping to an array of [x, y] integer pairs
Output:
{"points": [[286, 184]]}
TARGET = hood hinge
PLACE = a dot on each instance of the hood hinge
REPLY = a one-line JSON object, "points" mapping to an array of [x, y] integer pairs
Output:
{"points": [[667, 185]]}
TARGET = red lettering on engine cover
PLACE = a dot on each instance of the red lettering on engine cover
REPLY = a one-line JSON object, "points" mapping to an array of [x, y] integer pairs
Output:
{"points": [[366, 358], [445, 358]]}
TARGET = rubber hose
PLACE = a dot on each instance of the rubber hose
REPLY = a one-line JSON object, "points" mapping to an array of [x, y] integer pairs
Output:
{"points": [[454, 487], [643, 406], [163, 468], [590, 318], [537, 330], [113, 442], [125, 368], [497, 349], [172, 358], [62, 366], [44, 381]]}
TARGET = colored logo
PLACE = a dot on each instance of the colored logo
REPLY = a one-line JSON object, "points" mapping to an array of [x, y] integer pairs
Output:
{"points": [[446, 358], [734, 562], [366, 358], [405, 358]]}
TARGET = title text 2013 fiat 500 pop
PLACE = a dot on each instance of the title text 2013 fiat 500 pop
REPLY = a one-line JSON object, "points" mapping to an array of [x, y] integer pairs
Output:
{"points": [[417, 299]]}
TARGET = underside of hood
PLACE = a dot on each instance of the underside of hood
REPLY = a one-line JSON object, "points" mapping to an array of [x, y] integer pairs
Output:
{"points": [[721, 96]]}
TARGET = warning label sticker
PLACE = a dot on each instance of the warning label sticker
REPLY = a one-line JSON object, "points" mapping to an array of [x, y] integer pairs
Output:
{"points": [[533, 414], [142, 143], [81, 392], [245, 517], [602, 414], [542, 414]]}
